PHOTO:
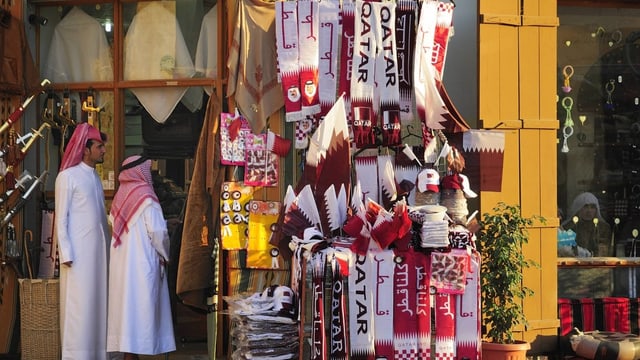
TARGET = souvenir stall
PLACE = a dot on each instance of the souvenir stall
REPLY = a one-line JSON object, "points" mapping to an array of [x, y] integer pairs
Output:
{"points": [[377, 232]]}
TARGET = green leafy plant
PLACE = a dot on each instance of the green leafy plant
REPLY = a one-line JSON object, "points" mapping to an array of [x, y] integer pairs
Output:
{"points": [[501, 236]]}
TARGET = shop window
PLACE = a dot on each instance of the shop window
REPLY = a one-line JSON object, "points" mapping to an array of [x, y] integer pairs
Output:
{"points": [[599, 148]]}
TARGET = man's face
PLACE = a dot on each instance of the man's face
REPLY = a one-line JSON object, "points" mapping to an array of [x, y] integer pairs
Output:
{"points": [[95, 154]]}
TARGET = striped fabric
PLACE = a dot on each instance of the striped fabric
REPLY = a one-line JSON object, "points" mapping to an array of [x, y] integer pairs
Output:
{"points": [[617, 314]]}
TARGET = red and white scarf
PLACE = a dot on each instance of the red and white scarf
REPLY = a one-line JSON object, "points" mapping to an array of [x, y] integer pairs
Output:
{"points": [[330, 32], [387, 92], [367, 173], [405, 317], [405, 47], [288, 65], [136, 186], [363, 107], [308, 39], [445, 326]]}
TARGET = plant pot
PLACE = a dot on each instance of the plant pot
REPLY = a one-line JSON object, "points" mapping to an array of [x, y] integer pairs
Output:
{"points": [[495, 351]]}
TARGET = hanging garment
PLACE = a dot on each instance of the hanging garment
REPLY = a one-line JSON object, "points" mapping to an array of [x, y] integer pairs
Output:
{"points": [[195, 274], [206, 59], [154, 49], [79, 50], [253, 80]]}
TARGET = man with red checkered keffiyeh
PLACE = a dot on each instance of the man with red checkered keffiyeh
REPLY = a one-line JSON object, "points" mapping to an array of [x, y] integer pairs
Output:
{"points": [[140, 319]]}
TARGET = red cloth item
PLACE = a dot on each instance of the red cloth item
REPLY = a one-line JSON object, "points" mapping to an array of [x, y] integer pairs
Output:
{"points": [[136, 185], [75, 147]]}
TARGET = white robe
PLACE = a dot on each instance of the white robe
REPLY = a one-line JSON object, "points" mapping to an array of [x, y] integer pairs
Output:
{"points": [[140, 318], [83, 237]]}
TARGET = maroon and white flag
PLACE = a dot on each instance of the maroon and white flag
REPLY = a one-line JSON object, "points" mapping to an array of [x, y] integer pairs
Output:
{"points": [[423, 304], [330, 32], [308, 38], [346, 57], [318, 346], [363, 74], [288, 58], [387, 91]]}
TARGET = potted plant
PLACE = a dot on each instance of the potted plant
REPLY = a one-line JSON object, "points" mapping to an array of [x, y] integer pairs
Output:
{"points": [[501, 236]]}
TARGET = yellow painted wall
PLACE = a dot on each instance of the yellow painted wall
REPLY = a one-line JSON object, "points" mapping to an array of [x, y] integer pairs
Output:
{"points": [[517, 87]]}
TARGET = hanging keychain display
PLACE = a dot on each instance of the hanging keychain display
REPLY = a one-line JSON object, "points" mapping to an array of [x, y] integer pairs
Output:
{"points": [[567, 129], [567, 73], [609, 88]]}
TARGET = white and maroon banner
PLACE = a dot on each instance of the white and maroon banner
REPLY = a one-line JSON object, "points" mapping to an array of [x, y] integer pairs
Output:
{"points": [[361, 307], [330, 32], [367, 173], [484, 155], [468, 317], [363, 74], [387, 89], [288, 58], [308, 38], [445, 310], [383, 267], [405, 46]]}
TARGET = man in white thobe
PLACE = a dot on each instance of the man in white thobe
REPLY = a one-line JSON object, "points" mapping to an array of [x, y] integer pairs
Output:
{"points": [[140, 320], [82, 233]]}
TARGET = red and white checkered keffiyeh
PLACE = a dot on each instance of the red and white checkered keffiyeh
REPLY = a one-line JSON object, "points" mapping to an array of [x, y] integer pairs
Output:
{"points": [[136, 186]]}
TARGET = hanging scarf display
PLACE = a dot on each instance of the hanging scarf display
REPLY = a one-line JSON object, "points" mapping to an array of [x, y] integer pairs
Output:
{"points": [[263, 218], [233, 132], [308, 33], [468, 319], [329, 32], [383, 267], [233, 214], [445, 326], [318, 344], [386, 74], [261, 168], [361, 307], [405, 317], [288, 56], [405, 46], [363, 74]]}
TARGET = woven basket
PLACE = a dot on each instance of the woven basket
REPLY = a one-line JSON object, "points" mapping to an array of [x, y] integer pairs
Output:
{"points": [[40, 318]]}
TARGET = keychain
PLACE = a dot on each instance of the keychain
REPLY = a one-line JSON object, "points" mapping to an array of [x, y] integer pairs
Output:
{"points": [[567, 129], [567, 73]]}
